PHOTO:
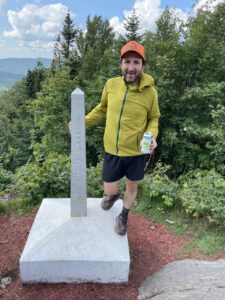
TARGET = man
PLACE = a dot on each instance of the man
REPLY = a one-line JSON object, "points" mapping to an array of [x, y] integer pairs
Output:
{"points": [[130, 105]]}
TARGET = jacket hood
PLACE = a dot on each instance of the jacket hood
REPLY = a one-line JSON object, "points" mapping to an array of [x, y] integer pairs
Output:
{"points": [[145, 80]]}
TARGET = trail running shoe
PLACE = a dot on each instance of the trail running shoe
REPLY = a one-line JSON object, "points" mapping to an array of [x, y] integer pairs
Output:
{"points": [[109, 200], [121, 226]]}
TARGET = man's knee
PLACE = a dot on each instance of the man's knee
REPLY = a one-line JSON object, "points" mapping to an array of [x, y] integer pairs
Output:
{"points": [[111, 188], [131, 186]]}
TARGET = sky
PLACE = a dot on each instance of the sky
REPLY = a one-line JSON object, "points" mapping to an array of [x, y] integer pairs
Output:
{"points": [[28, 28]]}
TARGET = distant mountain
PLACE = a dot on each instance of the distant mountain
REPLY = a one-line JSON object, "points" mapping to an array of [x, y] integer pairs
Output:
{"points": [[13, 69], [10, 75], [8, 79], [21, 65]]}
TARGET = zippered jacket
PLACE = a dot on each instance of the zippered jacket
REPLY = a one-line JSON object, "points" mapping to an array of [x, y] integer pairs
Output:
{"points": [[130, 110]]}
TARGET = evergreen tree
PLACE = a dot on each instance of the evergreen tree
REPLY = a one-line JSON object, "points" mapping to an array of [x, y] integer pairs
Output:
{"points": [[65, 42], [92, 46], [34, 78], [205, 45], [132, 26], [68, 34], [16, 122], [57, 55], [167, 25], [30, 84], [51, 113], [190, 80]]}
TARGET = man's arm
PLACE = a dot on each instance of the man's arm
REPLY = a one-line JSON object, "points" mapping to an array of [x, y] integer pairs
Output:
{"points": [[153, 122], [97, 113], [153, 117]]}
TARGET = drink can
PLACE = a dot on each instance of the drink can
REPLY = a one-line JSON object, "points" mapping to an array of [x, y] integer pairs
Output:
{"points": [[146, 143]]}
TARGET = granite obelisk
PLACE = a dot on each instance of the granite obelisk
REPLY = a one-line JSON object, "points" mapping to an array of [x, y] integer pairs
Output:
{"points": [[73, 239], [78, 156]]}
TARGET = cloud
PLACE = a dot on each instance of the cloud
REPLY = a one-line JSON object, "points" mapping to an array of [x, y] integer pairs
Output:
{"points": [[37, 46], [33, 22], [207, 4], [147, 11], [2, 2], [117, 25], [2, 42], [180, 15]]}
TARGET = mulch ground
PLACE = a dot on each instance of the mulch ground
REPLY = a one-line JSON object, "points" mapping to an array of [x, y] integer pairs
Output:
{"points": [[151, 245]]}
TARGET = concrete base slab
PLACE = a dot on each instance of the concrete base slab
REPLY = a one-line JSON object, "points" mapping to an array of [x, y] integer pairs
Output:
{"points": [[79, 249]]}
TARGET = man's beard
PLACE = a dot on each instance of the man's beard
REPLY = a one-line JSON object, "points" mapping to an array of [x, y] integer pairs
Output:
{"points": [[133, 78]]}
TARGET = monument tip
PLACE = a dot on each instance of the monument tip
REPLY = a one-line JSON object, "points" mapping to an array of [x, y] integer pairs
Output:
{"points": [[78, 91]]}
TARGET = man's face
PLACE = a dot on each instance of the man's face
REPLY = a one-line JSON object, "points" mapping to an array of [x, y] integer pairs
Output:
{"points": [[131, 66]]}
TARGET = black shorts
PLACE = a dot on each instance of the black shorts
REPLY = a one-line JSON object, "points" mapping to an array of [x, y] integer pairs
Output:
{"points": [[116, 167]]}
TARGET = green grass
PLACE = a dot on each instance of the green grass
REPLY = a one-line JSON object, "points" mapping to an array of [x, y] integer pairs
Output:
{"points": [[18, 206], [210, 244], [204, 238]]}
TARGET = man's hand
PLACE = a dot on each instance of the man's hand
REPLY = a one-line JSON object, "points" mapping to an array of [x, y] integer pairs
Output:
{"points": [[70, 127], [153, 144]]}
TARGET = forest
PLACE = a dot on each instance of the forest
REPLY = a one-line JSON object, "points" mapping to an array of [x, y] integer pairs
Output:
{"points": [[187, 61]]}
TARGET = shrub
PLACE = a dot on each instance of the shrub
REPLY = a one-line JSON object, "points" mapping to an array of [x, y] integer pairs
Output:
{"points": [[94, 181], [157, 189], [50, 178], [6, 178], [3, 208], [203, 195]]}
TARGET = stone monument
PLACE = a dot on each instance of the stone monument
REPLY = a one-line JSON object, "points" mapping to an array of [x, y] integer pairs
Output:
{"points": [[73, 239], [78, 156]]}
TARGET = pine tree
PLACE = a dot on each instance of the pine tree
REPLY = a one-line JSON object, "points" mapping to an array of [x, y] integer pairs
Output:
{"points": [[64, 42], [30, 84], [56, 62], [132, 26], [34, 78], [93, 46], [68, 34], [167, 28]]}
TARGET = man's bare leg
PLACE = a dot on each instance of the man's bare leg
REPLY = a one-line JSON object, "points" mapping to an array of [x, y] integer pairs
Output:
{"points": [[129, 199], [130, 193]]}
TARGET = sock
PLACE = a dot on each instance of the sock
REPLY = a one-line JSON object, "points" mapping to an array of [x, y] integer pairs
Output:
{"points": [[124, 214]]}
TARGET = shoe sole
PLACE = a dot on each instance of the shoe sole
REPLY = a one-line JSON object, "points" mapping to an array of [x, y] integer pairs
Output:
{"points": [[107, 208]]}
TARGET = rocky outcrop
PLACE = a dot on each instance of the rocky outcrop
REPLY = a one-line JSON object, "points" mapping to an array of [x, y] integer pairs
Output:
{"points": [[186, 279]]}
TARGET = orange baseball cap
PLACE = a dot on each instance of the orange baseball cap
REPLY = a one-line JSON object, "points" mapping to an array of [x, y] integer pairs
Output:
{"points": [[134, 47]]}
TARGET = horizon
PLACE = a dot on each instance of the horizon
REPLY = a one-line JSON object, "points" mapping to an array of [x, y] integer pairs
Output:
{"points": [[39, 57]]}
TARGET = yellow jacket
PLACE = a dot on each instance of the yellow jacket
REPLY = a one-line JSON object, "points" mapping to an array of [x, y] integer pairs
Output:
{"points": [[130, 111]]}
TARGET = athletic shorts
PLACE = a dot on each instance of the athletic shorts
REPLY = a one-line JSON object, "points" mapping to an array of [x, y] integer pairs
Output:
{"points": [[115, 167]]}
